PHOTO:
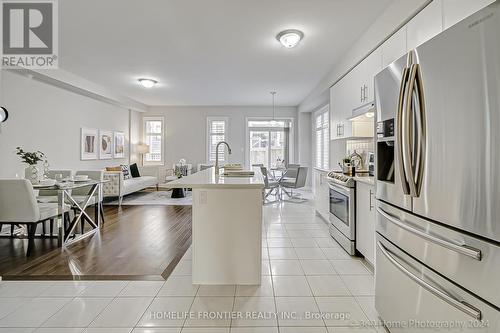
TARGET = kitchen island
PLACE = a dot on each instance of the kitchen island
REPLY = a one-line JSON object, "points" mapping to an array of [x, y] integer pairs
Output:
{"points": [[227, 227]]}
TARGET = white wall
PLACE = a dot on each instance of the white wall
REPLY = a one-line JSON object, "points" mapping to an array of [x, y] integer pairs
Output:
{"points": [[185, 129], [390, 20], [47, 118]]}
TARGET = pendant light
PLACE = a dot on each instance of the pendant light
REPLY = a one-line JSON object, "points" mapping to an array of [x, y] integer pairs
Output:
{"points": [[273, 121]]}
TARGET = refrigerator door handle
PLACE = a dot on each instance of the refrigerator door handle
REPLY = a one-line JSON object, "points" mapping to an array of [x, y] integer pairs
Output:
{"points": [[421, 143], [436, 291], [409, 133], [462, 249], [399, 130]]}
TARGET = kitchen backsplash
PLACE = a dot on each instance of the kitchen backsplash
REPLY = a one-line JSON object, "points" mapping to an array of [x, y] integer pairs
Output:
{"points": [[362, 147]]}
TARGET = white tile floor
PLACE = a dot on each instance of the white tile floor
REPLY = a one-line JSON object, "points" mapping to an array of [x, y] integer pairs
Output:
{"points": [[303, 271]]}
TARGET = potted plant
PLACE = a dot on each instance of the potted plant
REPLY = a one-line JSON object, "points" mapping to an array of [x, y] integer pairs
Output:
{"points": [[32, 171]]}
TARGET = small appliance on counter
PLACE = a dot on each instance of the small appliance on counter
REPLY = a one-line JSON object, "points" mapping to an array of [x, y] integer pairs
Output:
{"points": [[371, 164]]}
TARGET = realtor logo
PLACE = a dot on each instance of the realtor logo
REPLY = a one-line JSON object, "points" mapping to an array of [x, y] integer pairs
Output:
{"points": [[29, 34]]}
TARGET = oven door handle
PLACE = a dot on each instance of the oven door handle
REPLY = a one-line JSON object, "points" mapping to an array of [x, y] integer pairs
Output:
{"points": [[462, 249], [339, 189], [436, 291]]}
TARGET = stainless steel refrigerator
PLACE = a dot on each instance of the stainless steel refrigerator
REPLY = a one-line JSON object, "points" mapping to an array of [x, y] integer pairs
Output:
{"points": [[438, 182]]}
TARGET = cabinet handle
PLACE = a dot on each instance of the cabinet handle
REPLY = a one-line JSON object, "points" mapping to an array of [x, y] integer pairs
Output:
{"points": [[361, 94], [365, 94], [371, 202]]}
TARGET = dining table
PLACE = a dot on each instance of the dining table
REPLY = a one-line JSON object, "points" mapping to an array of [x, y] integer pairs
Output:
{"points": [[279, 169], [67, 233]]}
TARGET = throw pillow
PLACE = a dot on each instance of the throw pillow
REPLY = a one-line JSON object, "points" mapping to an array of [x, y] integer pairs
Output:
{"points": [[134, 170], [126, 171], [117, 168]]}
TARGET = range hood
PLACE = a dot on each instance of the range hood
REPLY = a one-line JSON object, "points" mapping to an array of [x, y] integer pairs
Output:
{"points": [[365, 112]]}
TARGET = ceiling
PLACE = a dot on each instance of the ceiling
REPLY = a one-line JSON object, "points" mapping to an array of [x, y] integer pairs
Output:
{"points": [[209, 52]]}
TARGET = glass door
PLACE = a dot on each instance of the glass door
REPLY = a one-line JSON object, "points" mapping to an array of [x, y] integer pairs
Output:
{"points": [[259, 147], [269, 142]]}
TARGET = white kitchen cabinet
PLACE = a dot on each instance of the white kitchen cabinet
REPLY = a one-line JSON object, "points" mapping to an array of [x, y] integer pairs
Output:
{"points": [[369, 68], [352, 91], [321, 193], [365, 220], [394, 47], [455, 11], [425, 25], [337, 106]]}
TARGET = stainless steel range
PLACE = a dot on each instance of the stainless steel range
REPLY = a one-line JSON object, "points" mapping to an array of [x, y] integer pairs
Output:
{"points": [[343, 210]]}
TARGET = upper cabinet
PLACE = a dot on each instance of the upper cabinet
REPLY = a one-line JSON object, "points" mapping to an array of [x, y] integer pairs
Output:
{"points": [[457, 10], [425, 25], [370, 67], [341, 99], [352, 91], [394, 47]]}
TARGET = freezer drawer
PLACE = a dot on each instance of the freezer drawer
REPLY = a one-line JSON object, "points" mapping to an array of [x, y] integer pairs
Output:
{"points": [[411, 298], [469, 261]]}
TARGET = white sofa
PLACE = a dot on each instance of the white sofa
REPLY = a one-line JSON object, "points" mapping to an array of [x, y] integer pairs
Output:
{"points": [[120, 187]]}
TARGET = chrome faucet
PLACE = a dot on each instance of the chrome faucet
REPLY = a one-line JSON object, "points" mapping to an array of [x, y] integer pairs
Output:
{"points": [[217, 155]]}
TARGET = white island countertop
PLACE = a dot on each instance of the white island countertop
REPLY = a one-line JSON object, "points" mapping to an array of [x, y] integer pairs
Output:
{"points": [[207, 179]]}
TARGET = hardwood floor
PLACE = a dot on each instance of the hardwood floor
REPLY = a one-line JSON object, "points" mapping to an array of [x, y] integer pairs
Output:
{"points": [[136, 242]]}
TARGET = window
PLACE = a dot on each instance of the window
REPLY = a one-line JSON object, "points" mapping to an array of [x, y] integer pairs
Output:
{"points": [[322, 131], [153, 136], [216, 132]]}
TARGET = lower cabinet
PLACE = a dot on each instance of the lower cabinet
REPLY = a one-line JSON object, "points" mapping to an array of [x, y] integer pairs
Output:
{"points": [[365, 220], [321, 193]]}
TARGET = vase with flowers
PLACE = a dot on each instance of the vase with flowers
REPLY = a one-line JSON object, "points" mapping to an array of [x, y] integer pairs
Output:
{"points": [[33, 171]]}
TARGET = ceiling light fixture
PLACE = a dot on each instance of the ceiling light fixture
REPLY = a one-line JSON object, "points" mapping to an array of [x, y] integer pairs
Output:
{"points": [[370, 114], [148, 83], [290, 38]]}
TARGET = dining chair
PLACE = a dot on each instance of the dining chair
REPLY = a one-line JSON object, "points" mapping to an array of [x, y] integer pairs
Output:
{"points": [[290, 173], [18, 206], [271, 187], [298, 182], [48, 196], [81, 194]]}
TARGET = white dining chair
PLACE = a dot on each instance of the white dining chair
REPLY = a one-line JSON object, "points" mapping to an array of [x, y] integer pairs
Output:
{"points": [[18, 206]]}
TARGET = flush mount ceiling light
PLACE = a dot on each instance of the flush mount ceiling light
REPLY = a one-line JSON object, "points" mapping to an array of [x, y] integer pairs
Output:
{"points": [[290, 38], [148, 83]]}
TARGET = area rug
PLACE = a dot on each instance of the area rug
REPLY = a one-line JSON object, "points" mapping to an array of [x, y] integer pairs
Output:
{"points": [[154, 198]]}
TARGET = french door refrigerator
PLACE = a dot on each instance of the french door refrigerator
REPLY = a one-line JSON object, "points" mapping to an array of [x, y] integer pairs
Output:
{"points": [[438, 182]]}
